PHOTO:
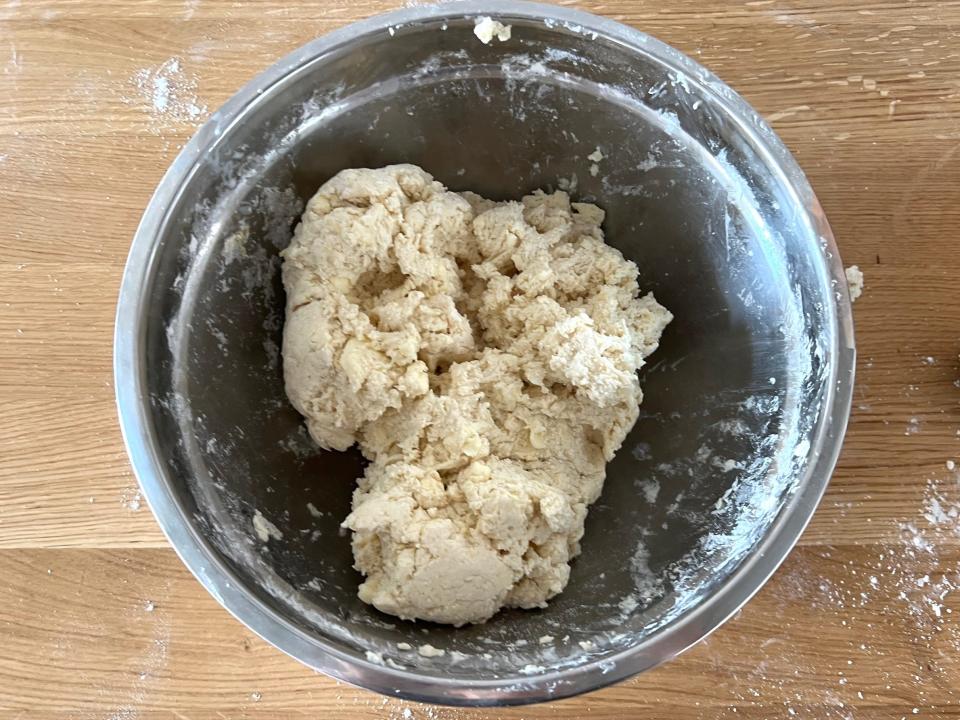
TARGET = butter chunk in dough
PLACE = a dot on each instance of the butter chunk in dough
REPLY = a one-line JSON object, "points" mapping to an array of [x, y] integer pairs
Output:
{"points": [[484, 357]]}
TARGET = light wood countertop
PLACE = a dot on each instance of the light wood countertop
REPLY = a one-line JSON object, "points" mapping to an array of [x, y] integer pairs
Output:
{"points": [[860, 622]]}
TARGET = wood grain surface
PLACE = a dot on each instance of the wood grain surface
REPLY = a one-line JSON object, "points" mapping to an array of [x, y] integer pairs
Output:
{"points": [[98, 618]]}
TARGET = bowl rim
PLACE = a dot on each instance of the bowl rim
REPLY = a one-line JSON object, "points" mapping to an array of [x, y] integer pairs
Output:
{"points": [[133, 399]]}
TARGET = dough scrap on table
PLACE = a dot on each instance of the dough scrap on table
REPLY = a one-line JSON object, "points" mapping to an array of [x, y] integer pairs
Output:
{"points": [[854, 282], [484, 357]]}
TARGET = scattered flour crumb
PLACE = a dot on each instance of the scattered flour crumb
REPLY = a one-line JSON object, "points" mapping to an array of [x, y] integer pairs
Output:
{"points": [[255, 696], [149, 606], [650, 489], [532, 669], [313, 510], [264, 528], [628, 604], [648, 163], [428, 650], [596, 156], [546, 639], [729, 465], [487, 28], [854, 282], [587, 645], [568, 185], [374, 657], [951, 465], [234, 247], [132, 499]]}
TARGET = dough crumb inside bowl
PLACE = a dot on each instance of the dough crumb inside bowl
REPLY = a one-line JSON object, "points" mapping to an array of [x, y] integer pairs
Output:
{"points": [[745, 401]]}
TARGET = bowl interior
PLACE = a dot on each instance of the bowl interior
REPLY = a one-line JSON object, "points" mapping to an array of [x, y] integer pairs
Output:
{"points": [[732, 395]]}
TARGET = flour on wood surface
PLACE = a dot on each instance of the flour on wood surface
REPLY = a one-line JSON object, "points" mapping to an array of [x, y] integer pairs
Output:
{"points": [[169, 93]]}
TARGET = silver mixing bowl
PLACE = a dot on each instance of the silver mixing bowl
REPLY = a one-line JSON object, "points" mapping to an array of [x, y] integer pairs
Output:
{"points": [[746, 399]]}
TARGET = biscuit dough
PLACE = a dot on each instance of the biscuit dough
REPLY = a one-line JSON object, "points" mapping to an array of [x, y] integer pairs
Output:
{"points": [[484, 358]]}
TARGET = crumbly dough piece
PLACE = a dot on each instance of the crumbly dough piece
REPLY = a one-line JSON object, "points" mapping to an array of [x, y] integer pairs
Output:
{"points": [[854, 282], [486, 28], [484, 358]]}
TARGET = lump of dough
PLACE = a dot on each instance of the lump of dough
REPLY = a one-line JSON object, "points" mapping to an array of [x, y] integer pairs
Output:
{"points": [[854, 282], [484, 357], [486, 28]]}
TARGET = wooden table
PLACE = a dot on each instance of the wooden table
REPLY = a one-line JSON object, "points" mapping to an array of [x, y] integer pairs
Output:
{"points": [[98, 618]]}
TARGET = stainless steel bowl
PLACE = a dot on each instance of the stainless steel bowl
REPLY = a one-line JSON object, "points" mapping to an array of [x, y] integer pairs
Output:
{"points": [[746, 400]]}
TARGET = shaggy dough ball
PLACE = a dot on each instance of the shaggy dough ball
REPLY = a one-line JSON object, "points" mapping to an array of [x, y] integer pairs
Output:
{"points": [[484, 358]]}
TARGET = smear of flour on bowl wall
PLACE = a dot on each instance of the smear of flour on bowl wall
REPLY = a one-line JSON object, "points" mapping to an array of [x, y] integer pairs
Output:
{"points": [[428, 650], [265, 529]]}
